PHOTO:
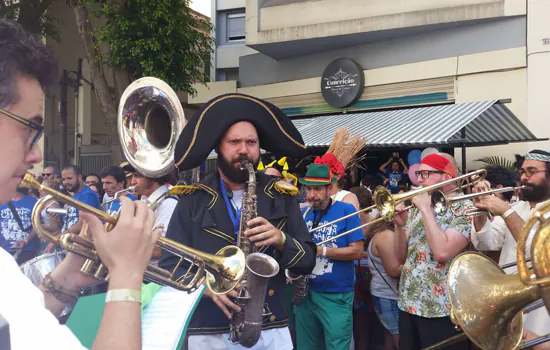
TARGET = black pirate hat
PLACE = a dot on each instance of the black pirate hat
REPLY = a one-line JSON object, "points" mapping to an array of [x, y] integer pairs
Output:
{"points": [[200, 136]]}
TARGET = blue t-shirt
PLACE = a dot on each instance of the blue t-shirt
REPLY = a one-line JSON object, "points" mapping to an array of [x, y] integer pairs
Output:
{"points": [[393, 180], [9, 227], [334, 276], [86, 196], [114, 206]]}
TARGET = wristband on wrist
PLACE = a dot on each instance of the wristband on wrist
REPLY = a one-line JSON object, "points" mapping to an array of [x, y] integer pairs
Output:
{"points": [[324, 252], [283, 236], [507, 213], [132, 295]]}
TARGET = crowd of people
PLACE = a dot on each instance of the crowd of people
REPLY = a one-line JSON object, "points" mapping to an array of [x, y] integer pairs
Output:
{"points": [[336, 272]]}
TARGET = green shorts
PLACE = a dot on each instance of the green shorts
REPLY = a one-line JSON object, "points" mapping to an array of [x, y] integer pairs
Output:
{"points": [[325, 321]]}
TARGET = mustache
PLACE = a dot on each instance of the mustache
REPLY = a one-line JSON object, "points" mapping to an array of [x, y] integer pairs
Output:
{"points": [[242, 158]]}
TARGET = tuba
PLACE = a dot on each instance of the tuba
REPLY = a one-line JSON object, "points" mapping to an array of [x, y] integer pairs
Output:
{"points": [[150, 119], [246, 326]]}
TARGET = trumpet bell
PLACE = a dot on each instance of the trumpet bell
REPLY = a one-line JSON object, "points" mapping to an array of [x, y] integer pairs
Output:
{"points": [[486, 303], [150, 120], [228, 273]]}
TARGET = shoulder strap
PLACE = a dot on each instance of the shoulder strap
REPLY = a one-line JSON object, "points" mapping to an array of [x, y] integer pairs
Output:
{"points": [[374, 264], [16, 217]]}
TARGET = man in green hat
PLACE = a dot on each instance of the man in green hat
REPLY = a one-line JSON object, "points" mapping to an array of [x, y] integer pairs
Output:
{"points": [[331, 284]]}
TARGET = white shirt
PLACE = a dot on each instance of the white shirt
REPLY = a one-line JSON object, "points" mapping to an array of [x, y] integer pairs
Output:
{"points": [[31, 325], [495, 235], [164, 211]]}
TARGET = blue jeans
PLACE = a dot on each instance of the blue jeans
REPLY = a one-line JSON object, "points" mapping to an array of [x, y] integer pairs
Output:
{"points": [[387, 312]]}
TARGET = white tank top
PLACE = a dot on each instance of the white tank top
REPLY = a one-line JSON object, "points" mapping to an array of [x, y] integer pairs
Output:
{"points": [[382, 285], [339, 196]]}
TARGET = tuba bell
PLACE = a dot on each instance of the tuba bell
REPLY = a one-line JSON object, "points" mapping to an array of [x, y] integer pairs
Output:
{"points": [[487, 304]]}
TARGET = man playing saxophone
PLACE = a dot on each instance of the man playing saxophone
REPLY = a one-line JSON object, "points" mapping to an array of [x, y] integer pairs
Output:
{"points": [[207, 216]]}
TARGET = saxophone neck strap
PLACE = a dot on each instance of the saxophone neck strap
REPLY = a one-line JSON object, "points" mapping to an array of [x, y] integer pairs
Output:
{"points": [[235, 217]]}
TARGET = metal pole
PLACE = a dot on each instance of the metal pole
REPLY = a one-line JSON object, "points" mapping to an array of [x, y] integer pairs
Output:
{"points": [[63, 117], [463, 136]]}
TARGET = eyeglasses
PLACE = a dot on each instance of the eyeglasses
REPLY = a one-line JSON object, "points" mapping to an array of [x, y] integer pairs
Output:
{"points": [[529, 171], [35, 130], [47, 174], [425, 174]]}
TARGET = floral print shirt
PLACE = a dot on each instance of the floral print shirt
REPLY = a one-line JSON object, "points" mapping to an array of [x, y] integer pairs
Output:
{"points": [[423, 283]]}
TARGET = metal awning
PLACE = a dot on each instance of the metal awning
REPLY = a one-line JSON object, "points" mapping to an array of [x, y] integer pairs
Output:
{"points": [[466, 124]]}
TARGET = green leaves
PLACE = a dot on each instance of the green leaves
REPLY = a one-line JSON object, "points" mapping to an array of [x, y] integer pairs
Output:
{"points": [[497, 161], [160, 38], [32, 15]]}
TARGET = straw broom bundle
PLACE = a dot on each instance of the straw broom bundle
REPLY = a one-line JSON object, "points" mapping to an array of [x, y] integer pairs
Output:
{"points": [[345, 147]]}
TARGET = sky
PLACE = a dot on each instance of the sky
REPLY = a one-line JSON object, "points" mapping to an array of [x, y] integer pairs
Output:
{"points": [[202, 6]]}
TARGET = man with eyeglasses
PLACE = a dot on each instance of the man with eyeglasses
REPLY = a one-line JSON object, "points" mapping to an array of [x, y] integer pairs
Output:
{"points": [[50, 173], [27, 68], [425, 245], [502, 232]]}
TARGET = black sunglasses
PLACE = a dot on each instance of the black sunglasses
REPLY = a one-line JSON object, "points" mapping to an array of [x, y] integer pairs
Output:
{"points": [[35, 130]]}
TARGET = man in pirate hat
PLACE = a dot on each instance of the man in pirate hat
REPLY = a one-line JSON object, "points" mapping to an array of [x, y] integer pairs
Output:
{"points": [[207, 215]]}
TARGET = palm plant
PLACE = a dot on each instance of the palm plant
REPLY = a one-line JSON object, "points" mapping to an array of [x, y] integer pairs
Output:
{"points": [[497, 161]]}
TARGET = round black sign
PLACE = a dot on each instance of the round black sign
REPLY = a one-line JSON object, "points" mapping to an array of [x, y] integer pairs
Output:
{"points": [[342, 82]]}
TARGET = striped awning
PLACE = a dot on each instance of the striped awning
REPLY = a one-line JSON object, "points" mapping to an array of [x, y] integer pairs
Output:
{"points": [[472, 124]]}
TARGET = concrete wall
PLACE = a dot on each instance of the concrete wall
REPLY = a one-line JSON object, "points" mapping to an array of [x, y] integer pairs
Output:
{"points": [[538, 76], [227, 56], [493, 86], [324, 18], [500, 34]]}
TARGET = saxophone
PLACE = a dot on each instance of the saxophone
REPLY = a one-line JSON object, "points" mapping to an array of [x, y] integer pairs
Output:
{"points": [[246, 326], [299, 286]]}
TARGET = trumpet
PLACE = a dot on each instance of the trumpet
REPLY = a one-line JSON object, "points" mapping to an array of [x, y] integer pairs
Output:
{"points": [[150, 119], [222, 271], [442, 203]]}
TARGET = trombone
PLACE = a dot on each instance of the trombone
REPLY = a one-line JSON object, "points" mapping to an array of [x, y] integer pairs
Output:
{"points": [[386, 203], [150, 119], [116, 195], [441, 203]]}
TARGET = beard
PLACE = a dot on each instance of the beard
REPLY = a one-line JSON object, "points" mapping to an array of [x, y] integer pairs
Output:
{"points": [[73, 188], [536, 193], [232, 169]]}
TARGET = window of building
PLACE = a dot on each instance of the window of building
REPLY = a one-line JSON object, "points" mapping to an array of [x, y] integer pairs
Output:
{"points": [[236, 27]]}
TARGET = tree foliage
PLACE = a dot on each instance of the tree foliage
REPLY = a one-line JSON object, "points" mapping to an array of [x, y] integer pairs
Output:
{"points": [[32, 15], [159, 38]]}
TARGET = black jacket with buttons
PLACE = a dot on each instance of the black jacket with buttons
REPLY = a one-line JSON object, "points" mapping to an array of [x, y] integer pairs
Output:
{"points": [[201, 220]]}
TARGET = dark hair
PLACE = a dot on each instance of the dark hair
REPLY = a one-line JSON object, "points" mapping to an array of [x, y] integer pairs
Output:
{"points": [[93, 174], [519, 161], [115, 171], [75, 168], [363, 195], [100, 190], [22, 53], [497, 175]]}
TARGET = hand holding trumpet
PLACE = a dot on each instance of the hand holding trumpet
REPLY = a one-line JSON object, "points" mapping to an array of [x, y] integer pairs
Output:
{"points": [[489, 203]]}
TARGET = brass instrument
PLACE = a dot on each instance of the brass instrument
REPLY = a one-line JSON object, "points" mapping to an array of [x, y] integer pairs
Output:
{"points": [[538, 226], [487, 304], [386, 202], [150, 119], [246, 326], [442, 203], [116, 195]]}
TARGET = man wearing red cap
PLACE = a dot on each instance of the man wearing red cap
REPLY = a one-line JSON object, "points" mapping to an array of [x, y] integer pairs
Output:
{"points": [[426, 244]]}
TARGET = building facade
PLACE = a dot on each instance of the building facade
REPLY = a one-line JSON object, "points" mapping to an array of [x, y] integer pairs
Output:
{"points": [[88, 142], [412, 53]]}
